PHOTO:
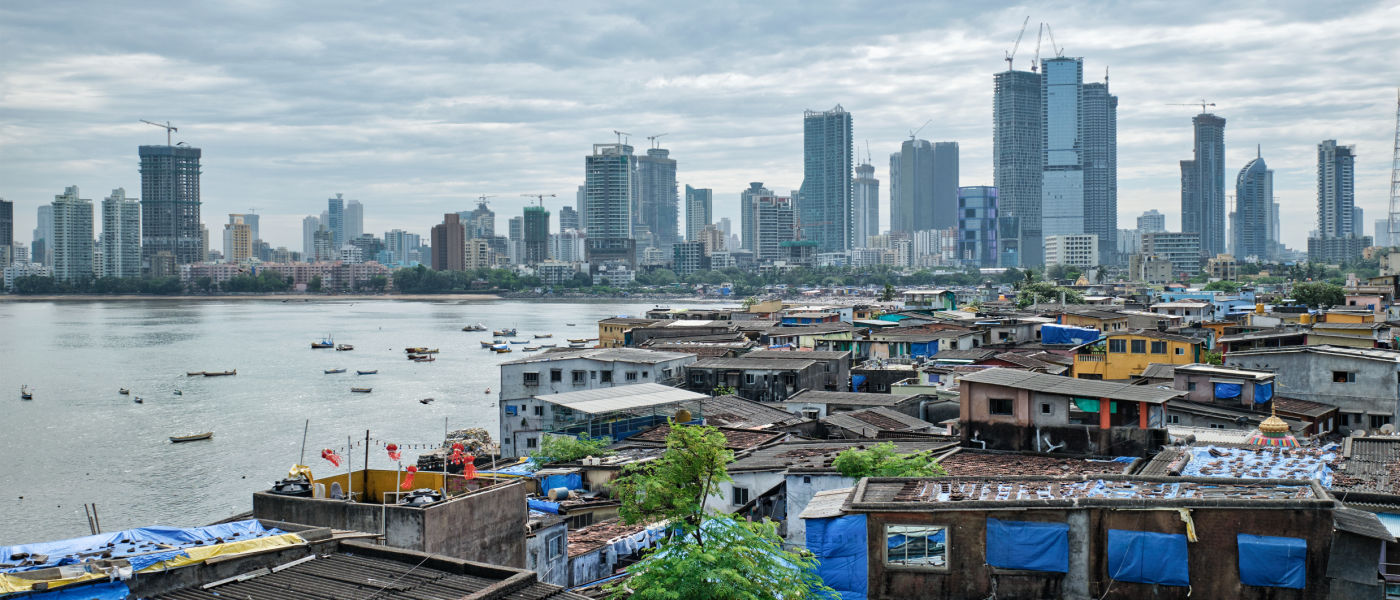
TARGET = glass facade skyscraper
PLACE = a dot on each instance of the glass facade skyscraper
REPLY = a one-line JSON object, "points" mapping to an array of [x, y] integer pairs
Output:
{"points": [[748, 226], [1062, 191], [607, 203], [1100, 157], [1017, 143], [699, 211], [867, 204], [657, 204], [1203, 185], [826, 202], [1254, 199], [977, 225]]}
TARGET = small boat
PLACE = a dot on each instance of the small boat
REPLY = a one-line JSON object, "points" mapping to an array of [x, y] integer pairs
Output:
{"points": [[415, 350], [179, 393], [124, 391], [569, 324], [543, 336], [325, 343], [334, 371], [426, 401], [475, 327], [194, 373], [519, 341], [488, 390], [578, 340], [433, 351], [25, 394], [547, 345], [485, 344], [532, 348], [193, 437], [578, 344], [369, 372], [220, 373], [502, 350], [361, 390], [344, 348], [422, 359], [504, 332], [138, 400]]}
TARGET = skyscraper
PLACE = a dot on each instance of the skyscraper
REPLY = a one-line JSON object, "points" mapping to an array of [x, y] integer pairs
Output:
{"points": [[607, 202], [170, 205], [658, 204], [977, 225], [1151, 221], [911, 187], [825, 206], [72, 236], [335, 215], [1254, 199], [42, 250], [1062, 191], [568, 218], [238, 239], [775, 222], [867, 204], [699, 210], [449, 241], [944, 213], [402, 244], [1018, 124], [1203, 185], [748, 228], [1382, 233], [354, 220], [309, 226], [536, 234], [579, 205], [7, 232], [121, 235], [1336, 241], [1358, 221], [1101, 168]]}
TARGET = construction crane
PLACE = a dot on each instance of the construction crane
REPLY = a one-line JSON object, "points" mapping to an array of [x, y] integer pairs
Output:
{"points": [[620, 134], [1203, 104], [1395, 177], [651, 140], [541, 197], [166, 126], [921, 128], [1053, 46], [1012, 54], [481, 200], [1035, 63]]}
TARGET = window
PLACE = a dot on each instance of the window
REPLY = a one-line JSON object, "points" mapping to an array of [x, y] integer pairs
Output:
{"points": [[1180, 351], [580, 377], [532, 379], [592, 374], [532, 442], [1378, 421], [665, 373], [1139, 346], [1216, 426], [741, 496], [607, 377], [556, 375], [1045, 408], [697, 378], [646, 374], [811, 413], [1118, 346], [923, 546], [749, 378], [556, 546], [1173, 419], [1000, 406], [1159, 347], [539, 411], [1343, 377], [631, 376], [1190, 386], [806, 479]]}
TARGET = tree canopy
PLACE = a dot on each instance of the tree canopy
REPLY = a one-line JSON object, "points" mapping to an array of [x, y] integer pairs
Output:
{"points": [[567, 448], [883, 460], [1319, 294]]}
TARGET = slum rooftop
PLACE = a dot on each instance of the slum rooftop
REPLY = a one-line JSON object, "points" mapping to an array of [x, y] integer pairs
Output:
{"points": [[623, 397], [1085, 491], [1056, 384], [853, 398], [632, 355]]}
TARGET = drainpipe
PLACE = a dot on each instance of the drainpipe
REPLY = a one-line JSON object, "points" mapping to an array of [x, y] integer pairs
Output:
{"points": [[974, 439]]}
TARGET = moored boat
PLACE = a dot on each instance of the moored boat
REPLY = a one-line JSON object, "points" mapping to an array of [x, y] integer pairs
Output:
{"points": [[220, 373], [138, 400], [532, 348], [433, 351], [25, 394], [426, 401], [194, 373], [485, 344], [361, 390], [578, 344], [416, 356], [578, 340], [502, 350], [369, 372], [509, 331], [569, 324], [474, 327], [547, 345], [327, 342], [415, 349], [124, 391], [424, 358], [334, 371], [543, 336], [519, 341], [344, 348], [192, 437]]}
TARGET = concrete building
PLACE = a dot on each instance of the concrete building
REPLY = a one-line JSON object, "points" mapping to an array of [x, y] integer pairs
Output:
{"points": [[1018, 124], [238, 240], [309, 226], [748, 227], [535, 224], [923, 186], [449, 244], [608, 199], [7, 232], [656, 204], [19, 269], [826, 202], [170, 204], [323, 246], [775, 223], [1183, 250], [567, 246], [121, 235], [689, 257], [711, 238], [568, 218], [354, 221], [1101, 168], [1203, 185], [1336, 240], [977, 225], [1254, 203], [72, 237], [1080, 251], [866, 221], [42, 248], [402, 245], [1361, 383], [699, 210], [335, 220], [757, 379], [1382, 233], [1151, 222]]}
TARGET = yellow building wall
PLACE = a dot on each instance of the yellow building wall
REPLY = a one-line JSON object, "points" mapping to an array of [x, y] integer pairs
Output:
{"points": [[1348, 318], [1347, 339], [1125, 365]]}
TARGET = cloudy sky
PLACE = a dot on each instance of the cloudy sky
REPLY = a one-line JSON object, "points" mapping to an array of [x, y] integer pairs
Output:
{"points": [[415, 110]]}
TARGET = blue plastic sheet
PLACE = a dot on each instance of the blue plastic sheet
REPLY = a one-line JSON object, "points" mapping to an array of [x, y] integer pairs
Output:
{"points": [[839, 546], [132, 542], [107, 590], [1066, 335], [543, 506], [1269, 464], [1147, 557], [1263, 392], [1227, 390], [1028, 545], [522, 468], [856, 381], [1273, 561], [573, 481]]}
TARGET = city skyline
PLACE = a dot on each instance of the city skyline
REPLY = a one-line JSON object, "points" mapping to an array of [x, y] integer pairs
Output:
{"points": [[414, 153]]}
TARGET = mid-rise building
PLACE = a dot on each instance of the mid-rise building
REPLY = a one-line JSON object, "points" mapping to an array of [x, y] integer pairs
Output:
{"points": [[775, 222], [1182, 249], [1151, 222], [748, 228], [449, 244], [1203, 185], [1336, 241], [656, 205], [1080, 251], [402, 245], [1018, 123], [567, 246], [354, 221], [711, 238], [238, 239], [323, 246], [536, 235], [607, 212], [568, 218], [480, 222], [826, 198], [24, 269], [477, 254], [689, 257], [977, 225], [1254, 200], [699, 210], [72, 236], [170, 205], [867, 204], [121, 235]]}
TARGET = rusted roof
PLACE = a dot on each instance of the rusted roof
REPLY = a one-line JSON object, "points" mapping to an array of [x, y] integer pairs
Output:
{"points": [[734, 439], [980, 463]]}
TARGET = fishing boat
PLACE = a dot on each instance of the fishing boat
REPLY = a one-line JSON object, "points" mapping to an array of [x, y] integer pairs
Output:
{"points": [[25, 394], [426, 401], [179, 393], [344, 348], [416, 356], [532, 348], [192, 437], [415, 350], [424, 359], [361, 390], [124, 391], [502, 350], [488, 390], [220, 373], [334, 371], [138, 400], [547, 345], [578, 340], [433, 351], [543, 336], [485, 344], [475, 327], [504, 332], [578, 344], [369, 372], [328, 342], [569, 324], [194, 373], [519, 341]]}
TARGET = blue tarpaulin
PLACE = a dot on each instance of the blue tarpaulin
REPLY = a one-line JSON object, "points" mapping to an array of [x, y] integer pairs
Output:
{"points": [[523, 468], [839, 545], [107, 590], [1227, 390], [1273, 561], [131, 542], [856, 381], [573, 481], [1147, 557], [1066, 335], [543, 506], [1028, 546], [1263, 392]]}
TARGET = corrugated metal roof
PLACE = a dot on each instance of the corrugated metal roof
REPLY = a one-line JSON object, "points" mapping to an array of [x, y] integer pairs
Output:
{"points": [[826, 504], [1361, 523], [1368, 353], [861, 398], [753, 363], [632, 355], [1085, 388], [623, 397]]}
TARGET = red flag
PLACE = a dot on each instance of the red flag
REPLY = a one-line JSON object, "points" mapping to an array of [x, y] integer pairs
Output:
{"points": [[394, 453], [331, 456], [408, 479]]}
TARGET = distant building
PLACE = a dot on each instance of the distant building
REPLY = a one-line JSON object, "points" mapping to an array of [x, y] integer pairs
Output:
{"points": [[480, 221], [238, 239], [42, 248], [1382, 234], [866, 221], [923, 186], [689, 257], [536, 235], [1358, 221], [567, 246], [1151, 222], [748, 228], [449, 244], [121, 235], [1101, 168], [977, 225], [774, 223], [1062, 191], [711, 238], [608, 195], [1018, 128], [826, 197], [1223, 267], [72, 236], [170, 204], [656, 207], [23, 269], [699, 210], [309, 226], [1254, 201], [402, 245], [1080, 251], [354, 221], [1203, 185], [1183, 250], [335, 212], [323, 246], [568, 218], [1336, 240], [7, 232]]}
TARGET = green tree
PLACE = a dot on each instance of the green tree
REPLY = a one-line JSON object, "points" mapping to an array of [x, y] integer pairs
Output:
{"points": [[883, 460], [888, 295], [1228, 287], [1319, 294], [567, 448], [315, 284], [1212, 357], [1044, 291], [706, 555]]}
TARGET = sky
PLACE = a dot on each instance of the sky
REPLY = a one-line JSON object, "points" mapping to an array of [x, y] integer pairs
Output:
{"points": [[415, 109]]}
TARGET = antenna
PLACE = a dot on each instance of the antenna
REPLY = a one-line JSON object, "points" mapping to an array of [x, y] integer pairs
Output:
{"points": [[620, 134], [921, 128], [166, 126], [653, 138], [1012, 54]]}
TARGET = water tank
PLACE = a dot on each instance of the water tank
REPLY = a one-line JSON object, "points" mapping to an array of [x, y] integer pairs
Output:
{"points": [[559, 493], [292, 487], [420, 497]]}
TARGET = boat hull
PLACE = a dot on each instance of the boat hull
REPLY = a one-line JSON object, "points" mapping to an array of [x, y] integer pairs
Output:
{"points": [[179, 439]]}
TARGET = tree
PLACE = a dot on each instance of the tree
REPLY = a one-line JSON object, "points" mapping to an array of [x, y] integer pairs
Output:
{"points": [[1319, 294], [888, 295], [1031, 293], [315, 284], [1228, 287], [705, 555], [567, 448], [1211, 357], [882, 460]]}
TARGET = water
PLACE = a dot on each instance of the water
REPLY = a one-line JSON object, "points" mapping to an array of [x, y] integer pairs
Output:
{"points": [[80, 441]]}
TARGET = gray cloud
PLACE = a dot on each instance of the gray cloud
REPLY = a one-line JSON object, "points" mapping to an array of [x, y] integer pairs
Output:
{"points": [[415, 109]]}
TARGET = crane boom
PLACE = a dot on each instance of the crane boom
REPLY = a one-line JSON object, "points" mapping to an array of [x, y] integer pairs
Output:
{"points": [[1053, 46], [166, 126], [541, 197], [921, 128], [1035, 63], [1012, 54], [652, 139], [1203, 104], [619, 135]]}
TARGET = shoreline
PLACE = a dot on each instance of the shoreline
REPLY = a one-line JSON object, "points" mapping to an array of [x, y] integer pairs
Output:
{"points": [[228, 297]]}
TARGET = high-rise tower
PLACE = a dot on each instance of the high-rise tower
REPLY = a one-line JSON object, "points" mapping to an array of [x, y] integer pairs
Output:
{"points": [[748, 228], [1062, 191], [1203, 185], [1254, 199], [657, 203], [1018, 122], [335, 213], [1336, 197], [536, 235], [607, 204], [170, 204], [1100, 125], [72, 236], [699, 210], [121, 235], [825, 206], [867, 204]]}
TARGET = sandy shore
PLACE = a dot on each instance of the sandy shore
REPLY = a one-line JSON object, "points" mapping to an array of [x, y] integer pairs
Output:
{"points": [[257, 297]]}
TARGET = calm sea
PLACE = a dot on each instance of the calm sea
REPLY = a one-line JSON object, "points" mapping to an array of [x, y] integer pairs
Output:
{"points": [[80, 441]]}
